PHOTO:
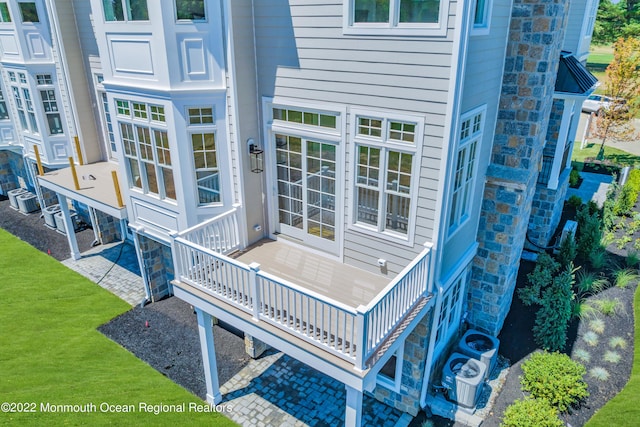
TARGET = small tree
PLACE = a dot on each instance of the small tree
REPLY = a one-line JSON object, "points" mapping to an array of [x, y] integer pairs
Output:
{"points": [[623, 86], [552, 319]]}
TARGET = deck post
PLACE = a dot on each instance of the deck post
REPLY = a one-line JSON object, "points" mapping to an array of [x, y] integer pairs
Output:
{"points": [[255, 295], [353, 412], [69, 227], [361, 337], [207, 345]]}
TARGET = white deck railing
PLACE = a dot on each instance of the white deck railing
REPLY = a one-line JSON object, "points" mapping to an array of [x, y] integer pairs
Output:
{"points": [[351, 333]]}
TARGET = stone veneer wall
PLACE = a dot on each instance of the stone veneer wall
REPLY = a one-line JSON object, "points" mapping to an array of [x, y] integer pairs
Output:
{"points": [[158, 265], [108, 228], [415, 355], [533, 51], [547, 203], [12, 172], [547, 210]]}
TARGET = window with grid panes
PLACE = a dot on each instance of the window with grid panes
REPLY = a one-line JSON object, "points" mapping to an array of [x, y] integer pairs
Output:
{"points": [[384, 174], [4, 12], [125, 10], [200, 115], [465, 164], [4, 114]]}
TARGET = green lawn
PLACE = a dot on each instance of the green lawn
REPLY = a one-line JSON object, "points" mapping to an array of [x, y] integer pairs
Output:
{"points": [[623, 409], [611, 154], [51, 352], [599, 58]]}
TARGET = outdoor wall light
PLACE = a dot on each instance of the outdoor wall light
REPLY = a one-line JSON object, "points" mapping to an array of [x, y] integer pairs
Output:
{"points": [[257, 156]]}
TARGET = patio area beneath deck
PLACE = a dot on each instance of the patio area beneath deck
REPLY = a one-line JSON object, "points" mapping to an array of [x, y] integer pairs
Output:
{"points": [[314, 271]]}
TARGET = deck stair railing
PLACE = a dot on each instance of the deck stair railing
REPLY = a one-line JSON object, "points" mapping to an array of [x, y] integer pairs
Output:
{"points": [[354, 334]]}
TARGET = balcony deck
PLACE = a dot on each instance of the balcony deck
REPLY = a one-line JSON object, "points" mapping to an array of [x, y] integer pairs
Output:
{"points": [[350, 313], [325, 276]]}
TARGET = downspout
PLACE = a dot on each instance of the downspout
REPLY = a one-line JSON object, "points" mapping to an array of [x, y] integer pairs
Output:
{"points": [[430, 351]]}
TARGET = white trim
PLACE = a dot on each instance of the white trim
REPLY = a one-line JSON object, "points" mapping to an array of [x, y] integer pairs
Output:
{"points": [[393, 27], [393, 384], [385, 144], [568, 112], [318, 134]]}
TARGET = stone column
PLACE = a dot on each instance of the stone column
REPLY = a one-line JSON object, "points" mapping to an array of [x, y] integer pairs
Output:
{"points": [[533, 52]]}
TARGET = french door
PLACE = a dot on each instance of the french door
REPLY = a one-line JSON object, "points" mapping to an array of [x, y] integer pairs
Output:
{"points": [[306, 190]]}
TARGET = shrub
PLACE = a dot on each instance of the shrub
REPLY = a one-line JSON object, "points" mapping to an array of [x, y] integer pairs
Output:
{"points": [[539, 278], [633, 259], [589, 283], [589, 232], [552, 319], [627, 196], [622, 242], [575, 201], [599, 373], [597, 326], [617, 342], [568, 250], [624, 277], [612, 357], [582, 354], [574, 178], [581, 309], [608, 306], [591, 338], [530, 412], [556, 378], [598, 258]]}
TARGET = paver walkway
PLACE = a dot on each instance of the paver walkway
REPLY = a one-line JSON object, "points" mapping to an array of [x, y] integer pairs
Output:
{"points": [[115, 268], [594, 187]]}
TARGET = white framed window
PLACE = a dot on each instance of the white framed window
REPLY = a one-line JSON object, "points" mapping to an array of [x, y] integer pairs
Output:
{"points": [[49, 103], [147, 151], [481, 17], [390, 375], [202, 134], [4, 113], [24, 103], [108, 124], [125, 10], [29, 11], [400, 17], [5, 16], [157, 113], [451, 309], [386, 174], [12, 76], [470, 136], [190, 10], [305, 117]]}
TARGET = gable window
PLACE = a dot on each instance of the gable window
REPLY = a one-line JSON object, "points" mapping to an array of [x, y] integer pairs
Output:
{"points": [[4, 12], [386, 174], [202, 133], [29, 11], [192, 10], [125, 10], [394, 16], [470, 136]]}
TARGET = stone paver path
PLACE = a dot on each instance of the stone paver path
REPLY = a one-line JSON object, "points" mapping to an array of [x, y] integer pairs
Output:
{"points": [[594, 187], [115, 268], [276, 390]]}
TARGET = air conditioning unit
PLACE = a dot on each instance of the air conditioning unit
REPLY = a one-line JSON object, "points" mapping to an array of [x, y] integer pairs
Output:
{"points": [[49, 213], [464, 377], [480, 346], [13, 197], [570, 227], [59, 220], [27, 203]]}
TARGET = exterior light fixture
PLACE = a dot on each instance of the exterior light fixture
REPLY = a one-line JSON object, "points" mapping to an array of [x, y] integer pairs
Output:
{"points": [[257, 156]]}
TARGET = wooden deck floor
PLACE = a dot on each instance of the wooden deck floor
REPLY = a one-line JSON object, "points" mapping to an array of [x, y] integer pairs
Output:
{"points": [[343, 283]]}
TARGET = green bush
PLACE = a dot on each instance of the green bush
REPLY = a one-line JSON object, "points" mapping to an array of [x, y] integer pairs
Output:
{"points": [[574, 178], [628, 194], [589, 232], [575, 201], [552, 319], [539, 278], [568, 250], [556, 378], [531, 413]]}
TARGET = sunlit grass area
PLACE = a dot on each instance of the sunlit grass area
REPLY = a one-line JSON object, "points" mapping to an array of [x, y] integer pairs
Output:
{"points": [[599, 58], [51, 353], [613, 155]]}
